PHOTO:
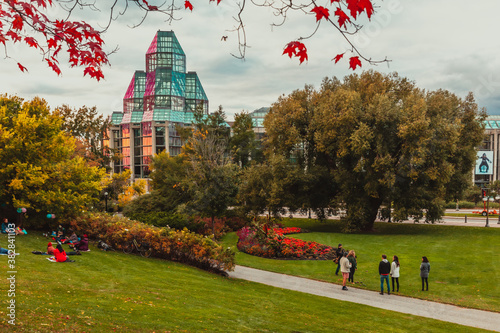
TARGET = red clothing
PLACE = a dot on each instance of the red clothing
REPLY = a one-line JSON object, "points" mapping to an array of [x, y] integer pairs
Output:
{"points": [[60, 256]]}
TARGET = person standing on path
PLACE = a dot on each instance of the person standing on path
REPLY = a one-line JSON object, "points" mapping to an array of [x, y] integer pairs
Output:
{"points": [[354, 265], [345, 268], [384, 269], [339, 253], [395, 273], [425, 268]]}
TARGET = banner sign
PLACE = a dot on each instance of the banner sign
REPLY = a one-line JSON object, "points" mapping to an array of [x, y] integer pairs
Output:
{"points": [[484, 162]]}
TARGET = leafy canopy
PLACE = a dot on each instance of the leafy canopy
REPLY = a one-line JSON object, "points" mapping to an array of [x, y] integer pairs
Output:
{"points": [[38, 168]]}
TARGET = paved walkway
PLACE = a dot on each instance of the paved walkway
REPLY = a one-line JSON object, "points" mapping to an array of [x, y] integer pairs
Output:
{"points": [[468, 317]]}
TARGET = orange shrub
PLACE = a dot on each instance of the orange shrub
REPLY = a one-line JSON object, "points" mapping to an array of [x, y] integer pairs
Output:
{"points": [[178, 245]]}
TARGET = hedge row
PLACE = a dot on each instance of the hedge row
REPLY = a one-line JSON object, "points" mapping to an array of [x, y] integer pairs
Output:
{"points": [[469, 205], [167, 243]]}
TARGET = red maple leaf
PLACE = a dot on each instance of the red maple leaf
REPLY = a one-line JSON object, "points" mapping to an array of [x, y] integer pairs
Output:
{"points": [[302, 54], [31, 42], [21, 67], [332, 1], [41, 3], [297, 49], [353, 7], [342, 17], [353, 62], [17, 23], [93, 72], [188, 5], [52, 43], [338, 57], [290, 49], [13, 36], [321, 12], [28, 8], [366, 5], [54, 67]]}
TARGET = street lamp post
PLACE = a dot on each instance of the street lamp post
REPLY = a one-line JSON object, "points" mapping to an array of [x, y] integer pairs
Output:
{"points": [[106, 201], [487, 199], [498, 198]]}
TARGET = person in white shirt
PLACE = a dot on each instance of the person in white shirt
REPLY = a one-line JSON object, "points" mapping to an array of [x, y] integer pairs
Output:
{"points": [[345, 268], [395, 273]]}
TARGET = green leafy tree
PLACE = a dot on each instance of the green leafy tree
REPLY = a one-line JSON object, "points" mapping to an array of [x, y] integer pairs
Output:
{"points": [[383, 140], [389, 142], [211, 176], [215, 123], [168, 175], [291, 130], [38, 168], [269, 187], [243, 144]]}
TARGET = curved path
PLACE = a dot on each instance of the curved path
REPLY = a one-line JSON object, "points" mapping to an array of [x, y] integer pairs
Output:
{"points": [[450, 313]]}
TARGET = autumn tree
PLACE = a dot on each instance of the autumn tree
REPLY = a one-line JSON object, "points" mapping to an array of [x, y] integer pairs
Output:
{"points": [[269, 187], [37, 25], [387, 142], [90, 130], [211, 176], [38, 169], [291, 131], [242, 144]]}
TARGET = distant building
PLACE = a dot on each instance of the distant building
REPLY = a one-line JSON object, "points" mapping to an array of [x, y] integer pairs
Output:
{"points": [[258, 122], [488, 155], [157, 100]]}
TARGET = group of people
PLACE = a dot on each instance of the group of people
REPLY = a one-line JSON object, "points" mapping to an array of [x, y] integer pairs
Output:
{"points": [[347, 265], [19, 230], [75, 243]]}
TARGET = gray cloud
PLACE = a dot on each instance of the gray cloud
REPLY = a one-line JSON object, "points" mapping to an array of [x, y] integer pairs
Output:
{"points": [[428, 41]]}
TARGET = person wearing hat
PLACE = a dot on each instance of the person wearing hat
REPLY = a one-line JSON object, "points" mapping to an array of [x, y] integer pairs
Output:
{"points": [[82, 245], [50, 249], [339, 253]]}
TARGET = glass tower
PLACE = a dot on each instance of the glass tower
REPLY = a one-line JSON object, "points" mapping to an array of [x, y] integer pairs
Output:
{"points": [[156, 101]]}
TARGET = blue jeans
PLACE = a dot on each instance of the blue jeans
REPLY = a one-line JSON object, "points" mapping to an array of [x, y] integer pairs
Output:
{"points": [[338, 268], [386, 278], [3, 251]]}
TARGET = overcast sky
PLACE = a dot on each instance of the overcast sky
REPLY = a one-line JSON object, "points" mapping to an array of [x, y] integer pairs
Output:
{"points": [[449, 44]]}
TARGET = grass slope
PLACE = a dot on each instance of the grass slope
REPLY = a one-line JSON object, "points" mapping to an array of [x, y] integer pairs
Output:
{"points": [[465, 261], [114, 292]]}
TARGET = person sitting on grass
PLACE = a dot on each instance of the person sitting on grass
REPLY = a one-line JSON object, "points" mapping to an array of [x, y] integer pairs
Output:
{"points": [[71, 239], [50, 249], [5, 223], [61, 255], [21, 231], [82, 245]]}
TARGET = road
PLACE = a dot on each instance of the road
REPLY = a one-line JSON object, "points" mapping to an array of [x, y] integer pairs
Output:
{"points": [[478, 221]]}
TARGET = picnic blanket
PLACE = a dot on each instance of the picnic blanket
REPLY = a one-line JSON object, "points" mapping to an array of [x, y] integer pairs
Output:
{"points": [[53, 259]]}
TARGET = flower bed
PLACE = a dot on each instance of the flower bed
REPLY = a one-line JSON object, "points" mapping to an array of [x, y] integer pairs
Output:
{"points": [[287, 231], [177, 245], [273, 244]]}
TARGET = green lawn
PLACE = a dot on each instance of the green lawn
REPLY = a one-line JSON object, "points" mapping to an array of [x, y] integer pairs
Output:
{"points": [[114, 292], [465, 261]]}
